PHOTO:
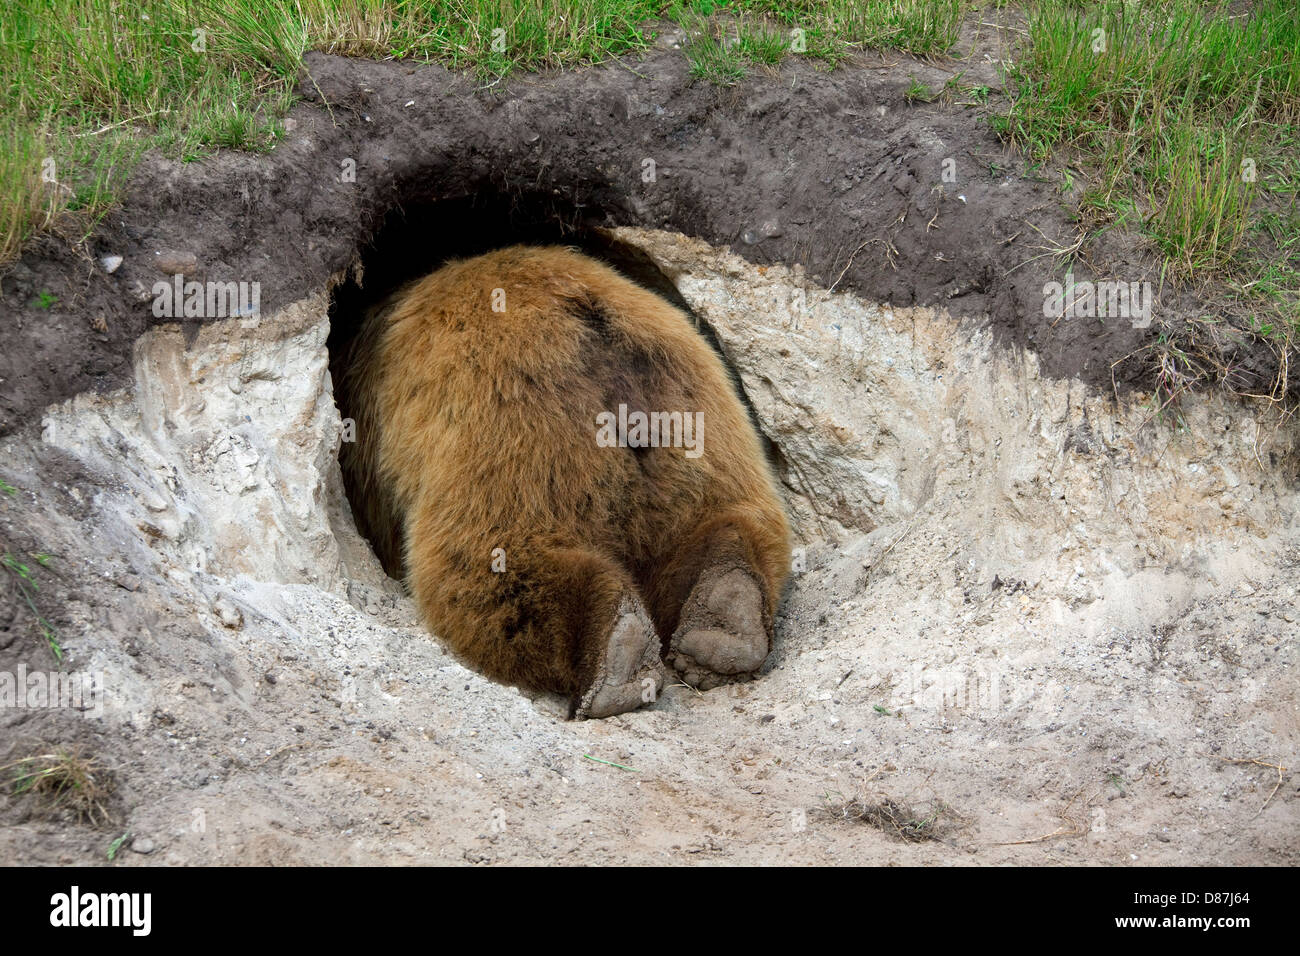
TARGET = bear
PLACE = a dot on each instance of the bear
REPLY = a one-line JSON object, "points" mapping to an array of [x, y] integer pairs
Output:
{"points": [[559, 467]]}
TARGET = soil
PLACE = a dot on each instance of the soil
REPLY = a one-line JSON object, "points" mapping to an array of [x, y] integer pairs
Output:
{"points": [[268, 709], [835, 170]]}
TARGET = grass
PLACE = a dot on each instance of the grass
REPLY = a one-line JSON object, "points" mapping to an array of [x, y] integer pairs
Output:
{"points": [[90, 84], [21, 580], [765, 32], [19, 576], [918, 92], [921, 27], [63, 779], [1183, 115], [115, 847]]}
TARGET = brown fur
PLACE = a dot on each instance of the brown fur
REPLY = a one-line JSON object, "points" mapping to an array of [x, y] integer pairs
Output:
{"points": [[477, 430]]}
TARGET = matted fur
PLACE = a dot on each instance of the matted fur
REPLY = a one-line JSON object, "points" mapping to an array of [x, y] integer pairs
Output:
{"points": [[476, 430]]}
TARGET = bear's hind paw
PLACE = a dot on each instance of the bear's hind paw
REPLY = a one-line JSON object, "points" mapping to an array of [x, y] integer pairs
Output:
{"points": [[630, 673], [721, 636]]}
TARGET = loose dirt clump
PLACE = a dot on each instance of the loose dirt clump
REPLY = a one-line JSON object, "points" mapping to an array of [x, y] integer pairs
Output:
{"points": [[901, 821]]}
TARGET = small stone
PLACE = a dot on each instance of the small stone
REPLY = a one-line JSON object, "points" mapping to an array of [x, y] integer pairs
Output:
{"points": [[142, 845], [110, 263], [128, 582], [230, 615], [670, 39], [174, 262]]}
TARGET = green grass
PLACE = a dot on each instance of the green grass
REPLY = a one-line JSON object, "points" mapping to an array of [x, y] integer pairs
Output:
{"points": [[722, 39], [116, 846], [918, 92], [922, 27], [23, 582], [1183, 115], [89, 84]]}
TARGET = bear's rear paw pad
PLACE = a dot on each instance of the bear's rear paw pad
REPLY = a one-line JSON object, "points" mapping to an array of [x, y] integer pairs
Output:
{"points": [[721, 634], [631, 673]]}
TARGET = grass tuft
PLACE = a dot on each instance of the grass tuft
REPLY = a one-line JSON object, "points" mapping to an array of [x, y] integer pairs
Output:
{"points": [[889, 816], [19, 576], [1183, 114], [63, 779]]}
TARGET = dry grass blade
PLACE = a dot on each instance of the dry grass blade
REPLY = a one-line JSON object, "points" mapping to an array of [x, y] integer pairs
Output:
{"points": [[1281, 771], [1069, 826]]}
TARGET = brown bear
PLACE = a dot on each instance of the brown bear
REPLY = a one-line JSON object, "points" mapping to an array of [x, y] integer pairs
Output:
{"points": [[561, 469]]}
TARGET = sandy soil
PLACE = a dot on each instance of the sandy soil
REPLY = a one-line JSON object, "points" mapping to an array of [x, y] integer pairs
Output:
{"points": [[1050, 630]]}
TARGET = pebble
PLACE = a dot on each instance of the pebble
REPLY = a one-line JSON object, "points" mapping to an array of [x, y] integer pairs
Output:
{"points": [[230, 615], [171, 262]]}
